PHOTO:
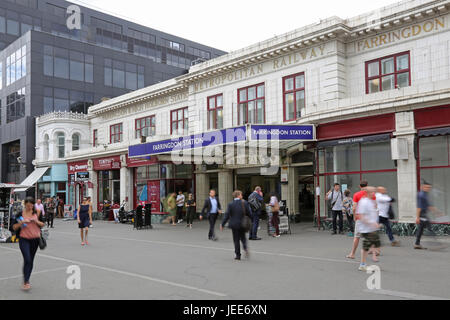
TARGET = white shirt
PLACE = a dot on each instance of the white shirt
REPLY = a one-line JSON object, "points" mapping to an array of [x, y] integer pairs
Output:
{"points": [[180, 200], [383, 203], [369, 215]]}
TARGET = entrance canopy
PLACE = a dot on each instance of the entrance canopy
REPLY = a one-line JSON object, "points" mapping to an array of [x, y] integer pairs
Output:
{"points": [[32, 179], [285, 136]]}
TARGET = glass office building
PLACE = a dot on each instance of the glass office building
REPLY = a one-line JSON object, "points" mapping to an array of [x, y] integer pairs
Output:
{"points": [[45, 67]]}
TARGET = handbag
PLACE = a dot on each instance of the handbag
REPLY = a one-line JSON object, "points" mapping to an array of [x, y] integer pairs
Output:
{"points": [[246, 222], [42, 242], [391, 213]]}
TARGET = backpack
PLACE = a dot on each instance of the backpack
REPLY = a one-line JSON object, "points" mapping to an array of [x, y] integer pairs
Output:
{"points": [[254, 203]]}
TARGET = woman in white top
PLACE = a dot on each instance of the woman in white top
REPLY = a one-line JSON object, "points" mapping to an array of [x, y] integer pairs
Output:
{"points": [[274, 204]]}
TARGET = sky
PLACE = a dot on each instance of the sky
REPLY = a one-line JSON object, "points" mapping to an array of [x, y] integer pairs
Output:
{"points": [[231, 24]]}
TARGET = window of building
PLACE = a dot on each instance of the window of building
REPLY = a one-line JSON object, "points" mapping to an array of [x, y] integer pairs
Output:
{"points": [[179, 121], [434, 154], [15, 105], [215, 112], [75, 65], [116, 133], [16, 66], [388, 73], [95, 138], [75, 142], [199, 53], [251, 106], [146, 126], [61, 145], [294, 96], [123, 75], [46, 147], [12, 164], [63, 100]]}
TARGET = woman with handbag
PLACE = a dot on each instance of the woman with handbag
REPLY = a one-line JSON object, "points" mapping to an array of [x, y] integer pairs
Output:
{"points": [[28, 229], [275, 206], [84, 220], [238, 213]]}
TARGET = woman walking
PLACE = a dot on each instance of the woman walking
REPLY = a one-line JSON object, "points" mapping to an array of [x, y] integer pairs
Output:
{"points": [[172, 204], [84, 220], [275, 206], [347, 209], [190, 206], [28, 229]]}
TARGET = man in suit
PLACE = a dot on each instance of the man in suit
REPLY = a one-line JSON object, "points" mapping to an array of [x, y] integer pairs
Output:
{"points": [[235, 213], [212, 208], [256, 199]]}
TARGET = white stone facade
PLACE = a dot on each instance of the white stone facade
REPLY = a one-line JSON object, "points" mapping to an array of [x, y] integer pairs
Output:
{"points": [[332, 55]]}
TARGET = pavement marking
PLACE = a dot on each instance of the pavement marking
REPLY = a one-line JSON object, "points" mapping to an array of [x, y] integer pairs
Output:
{"points": [[217, 248], [406, 295], [126, 273], [34, 273]]}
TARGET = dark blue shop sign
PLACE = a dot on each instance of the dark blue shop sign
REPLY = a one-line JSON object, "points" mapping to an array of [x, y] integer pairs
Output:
{"points": [[283, 132], [203, 140], [299, 133]]}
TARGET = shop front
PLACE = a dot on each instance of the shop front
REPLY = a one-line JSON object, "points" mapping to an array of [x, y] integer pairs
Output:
{"points": [[78, 181], [433, 129], [354, 150], [53, 183], [108, 179], [155, 180]]}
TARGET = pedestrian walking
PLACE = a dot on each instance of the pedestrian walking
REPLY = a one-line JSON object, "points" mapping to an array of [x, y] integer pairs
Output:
{"points": [[212, 208], [84, 218], [180, 205], [28, 229], [40, 210], [368, 217], [275, 207], [255, 201], [190, 210], [236, 212], [347, 209], [423, 220], [61, 208], [172, 204], [336, 198], [357, 235], [50, 210], [384, 202]]}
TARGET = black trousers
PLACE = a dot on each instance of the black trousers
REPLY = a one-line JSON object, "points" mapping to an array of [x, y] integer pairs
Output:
{"points": [[337, 214], [238, 237], [212, 225], [50, 218], [179, 213], [350, 222], [190, 215], [423, 225]]}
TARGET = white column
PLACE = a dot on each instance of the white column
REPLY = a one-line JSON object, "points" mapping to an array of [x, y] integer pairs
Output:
{"points": [[93, 192], [225, 188], [289, 191], [407, 169], [202, 189], [123, 184]]}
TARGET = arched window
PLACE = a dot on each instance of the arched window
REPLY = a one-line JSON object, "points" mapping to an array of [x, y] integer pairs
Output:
{"points": [[61, 145], [46, 147], [75, 142]]}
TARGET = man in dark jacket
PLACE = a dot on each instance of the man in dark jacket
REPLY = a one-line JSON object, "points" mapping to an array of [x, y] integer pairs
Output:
{"points": [[256, 202], [212, 208], [235, 213]]}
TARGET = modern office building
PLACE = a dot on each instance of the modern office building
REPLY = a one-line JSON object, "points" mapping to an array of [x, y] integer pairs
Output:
{"points": [[45, 68]]}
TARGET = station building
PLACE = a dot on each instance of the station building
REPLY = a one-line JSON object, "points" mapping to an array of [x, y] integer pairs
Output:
{"points": [[373, 92]]}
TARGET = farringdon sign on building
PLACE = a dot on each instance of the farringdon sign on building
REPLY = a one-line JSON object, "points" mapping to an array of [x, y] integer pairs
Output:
{"points": [[236, 135]]}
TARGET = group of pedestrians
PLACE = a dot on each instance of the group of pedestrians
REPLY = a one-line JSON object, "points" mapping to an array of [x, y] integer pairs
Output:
{"points": [[177, 204]]}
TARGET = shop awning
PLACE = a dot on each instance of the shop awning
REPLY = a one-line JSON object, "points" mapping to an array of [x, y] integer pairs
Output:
{"points": [[435, 132], [31, 180], [375, 138]]}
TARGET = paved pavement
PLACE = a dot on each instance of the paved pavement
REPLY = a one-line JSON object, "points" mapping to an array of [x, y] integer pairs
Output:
{"points": [[177, 263]]}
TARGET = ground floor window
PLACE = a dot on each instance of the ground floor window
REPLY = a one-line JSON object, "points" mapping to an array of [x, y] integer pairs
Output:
{"points": [[349, 164], [109, 186], [435, 169]]}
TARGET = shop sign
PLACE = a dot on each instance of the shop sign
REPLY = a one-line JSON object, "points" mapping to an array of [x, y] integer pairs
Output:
{"points": [[282, 132], [107, 164], [82, 176], [75, 167], [208, 139], [140, 162]]}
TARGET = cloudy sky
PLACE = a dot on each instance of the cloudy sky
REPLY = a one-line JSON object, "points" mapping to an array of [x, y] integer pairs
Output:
{"points": [[231, 24]]}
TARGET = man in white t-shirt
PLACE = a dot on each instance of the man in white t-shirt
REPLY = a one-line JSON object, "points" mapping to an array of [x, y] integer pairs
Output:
{"points": [[384, 202], [180, 204], [368, 226]]}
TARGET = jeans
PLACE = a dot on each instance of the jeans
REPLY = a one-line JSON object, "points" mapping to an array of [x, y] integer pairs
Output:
{"points": [[255, 225], [212, 225], [238, 237], [387, 224], [423, 225], [28, 249], [350, 222], [179, 213], [275, 223], [50, 218], [190, 215], [337, 214]]}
